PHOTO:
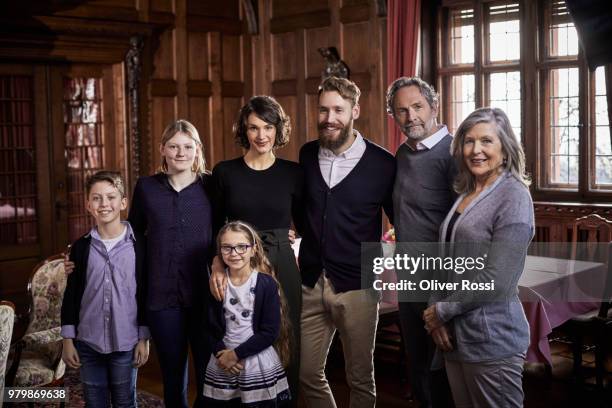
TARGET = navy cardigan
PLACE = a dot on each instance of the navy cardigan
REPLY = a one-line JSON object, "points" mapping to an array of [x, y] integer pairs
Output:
{"points": [[341, 218], [266, 319]]}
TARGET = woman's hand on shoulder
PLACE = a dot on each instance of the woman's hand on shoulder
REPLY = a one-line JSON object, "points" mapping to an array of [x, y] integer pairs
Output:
{"points": [[218, 279], [68, 264], [141, 353]]}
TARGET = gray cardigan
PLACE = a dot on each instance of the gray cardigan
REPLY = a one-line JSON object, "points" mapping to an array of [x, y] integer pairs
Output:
{"points": [[502, 217]]}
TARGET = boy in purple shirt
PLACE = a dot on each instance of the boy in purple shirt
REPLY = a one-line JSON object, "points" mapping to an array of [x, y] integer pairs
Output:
{"points": [[103, 319]]}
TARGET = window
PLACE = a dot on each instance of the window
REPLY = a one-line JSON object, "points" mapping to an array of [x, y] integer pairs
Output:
{"points": [[18, 212], [491, 51], [84, 146]]}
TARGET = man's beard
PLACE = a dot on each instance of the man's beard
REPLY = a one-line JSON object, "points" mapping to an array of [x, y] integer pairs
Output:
{"points": [[329, 142], [415, 133]]}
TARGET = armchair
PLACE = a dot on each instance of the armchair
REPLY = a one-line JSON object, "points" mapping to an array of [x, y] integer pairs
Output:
{"points": [[37, 356], [7, 319]]}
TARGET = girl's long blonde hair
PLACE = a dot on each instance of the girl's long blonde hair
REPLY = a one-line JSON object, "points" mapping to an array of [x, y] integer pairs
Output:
{"points": [[260, 263]]}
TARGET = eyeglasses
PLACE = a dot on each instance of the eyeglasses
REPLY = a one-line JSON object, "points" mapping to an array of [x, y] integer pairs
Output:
{"points": [[240, 249]]}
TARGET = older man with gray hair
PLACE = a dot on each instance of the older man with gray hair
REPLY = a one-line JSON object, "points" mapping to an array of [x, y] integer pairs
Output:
{"points": [[422, 196]]}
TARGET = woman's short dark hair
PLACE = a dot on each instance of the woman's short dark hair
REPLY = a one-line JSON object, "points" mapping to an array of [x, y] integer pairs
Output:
{"points": [[269, 110]]}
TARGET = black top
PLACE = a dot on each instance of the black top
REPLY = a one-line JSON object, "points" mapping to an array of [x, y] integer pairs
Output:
{"points": [[178, 228], [266, 199], [451, 225], [340, 219]]}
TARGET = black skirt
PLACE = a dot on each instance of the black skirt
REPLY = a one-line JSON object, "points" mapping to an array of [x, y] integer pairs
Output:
{"points": [[278, 249]]}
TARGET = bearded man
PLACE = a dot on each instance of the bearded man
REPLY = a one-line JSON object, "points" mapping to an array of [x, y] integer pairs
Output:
{"points": [[348, 182]]}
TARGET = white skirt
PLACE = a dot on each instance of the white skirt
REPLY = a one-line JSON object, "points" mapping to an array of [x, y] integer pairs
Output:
{"points": [[262, 379]]}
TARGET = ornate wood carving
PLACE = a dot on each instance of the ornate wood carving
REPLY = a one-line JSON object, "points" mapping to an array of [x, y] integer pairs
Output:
{"points": [[133, 63]]}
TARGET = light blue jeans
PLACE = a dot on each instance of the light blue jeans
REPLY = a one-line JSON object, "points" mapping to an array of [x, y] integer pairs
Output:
{"points": [[101, 373]]}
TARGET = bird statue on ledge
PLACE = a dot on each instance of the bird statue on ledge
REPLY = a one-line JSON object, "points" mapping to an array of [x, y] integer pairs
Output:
{"points": [[334, 66]]}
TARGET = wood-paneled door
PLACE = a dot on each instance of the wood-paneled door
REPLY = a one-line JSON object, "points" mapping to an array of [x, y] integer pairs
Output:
{"points": [[58, 124]]}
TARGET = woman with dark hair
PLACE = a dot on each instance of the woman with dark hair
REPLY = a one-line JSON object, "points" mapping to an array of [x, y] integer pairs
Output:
{"points": [[484, 335], [274, 190]]}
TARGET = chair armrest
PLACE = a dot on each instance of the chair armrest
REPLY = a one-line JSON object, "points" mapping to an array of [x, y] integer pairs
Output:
{"points": [[42, 337]]}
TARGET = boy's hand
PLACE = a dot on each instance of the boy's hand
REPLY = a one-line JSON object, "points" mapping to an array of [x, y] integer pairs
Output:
{"points": [[141, 353], [218, 279], [226, 359], [69, 354]]}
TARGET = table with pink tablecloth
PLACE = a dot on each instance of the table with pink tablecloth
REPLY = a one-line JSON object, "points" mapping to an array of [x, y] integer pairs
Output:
{"points": [[553, 291]]}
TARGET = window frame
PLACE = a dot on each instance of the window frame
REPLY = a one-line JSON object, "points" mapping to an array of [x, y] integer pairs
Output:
{"points": [[534, 67]]}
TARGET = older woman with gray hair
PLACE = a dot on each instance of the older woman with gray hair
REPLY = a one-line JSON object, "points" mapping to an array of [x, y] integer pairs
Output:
{"points": [[484, 335]]}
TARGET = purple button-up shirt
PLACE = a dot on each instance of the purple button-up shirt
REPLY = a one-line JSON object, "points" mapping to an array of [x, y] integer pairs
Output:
{"points": [[108, 315]]}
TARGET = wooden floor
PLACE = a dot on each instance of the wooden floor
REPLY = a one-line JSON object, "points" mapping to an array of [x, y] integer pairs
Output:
{"points": [[540, 391]]}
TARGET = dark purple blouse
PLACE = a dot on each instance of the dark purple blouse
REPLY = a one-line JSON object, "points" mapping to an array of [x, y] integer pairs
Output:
{"points": [[178, 227]]}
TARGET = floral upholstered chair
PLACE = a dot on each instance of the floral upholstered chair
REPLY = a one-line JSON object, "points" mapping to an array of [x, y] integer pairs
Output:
{"points": [[38, 354], [7, 320]]}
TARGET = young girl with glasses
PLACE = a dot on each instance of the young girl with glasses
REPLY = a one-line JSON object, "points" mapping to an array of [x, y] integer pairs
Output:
{"points": [[249, 329]]}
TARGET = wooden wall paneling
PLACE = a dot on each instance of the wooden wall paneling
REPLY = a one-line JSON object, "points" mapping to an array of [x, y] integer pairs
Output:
{"points": [[216, 121], [261, 52], [335, 32], [161, 6], [109, 10], [316, 38], [354, 11], [231, 107], [246, 51], [377, 49], [349, 3], [199, 115], [218, 9], [164, 58], [362, 124], [291, 150], [163, 112], [181, 54], [286, 8], [283, 56], [231, 60], [197, 59], [312, 116], [299, 116]]}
